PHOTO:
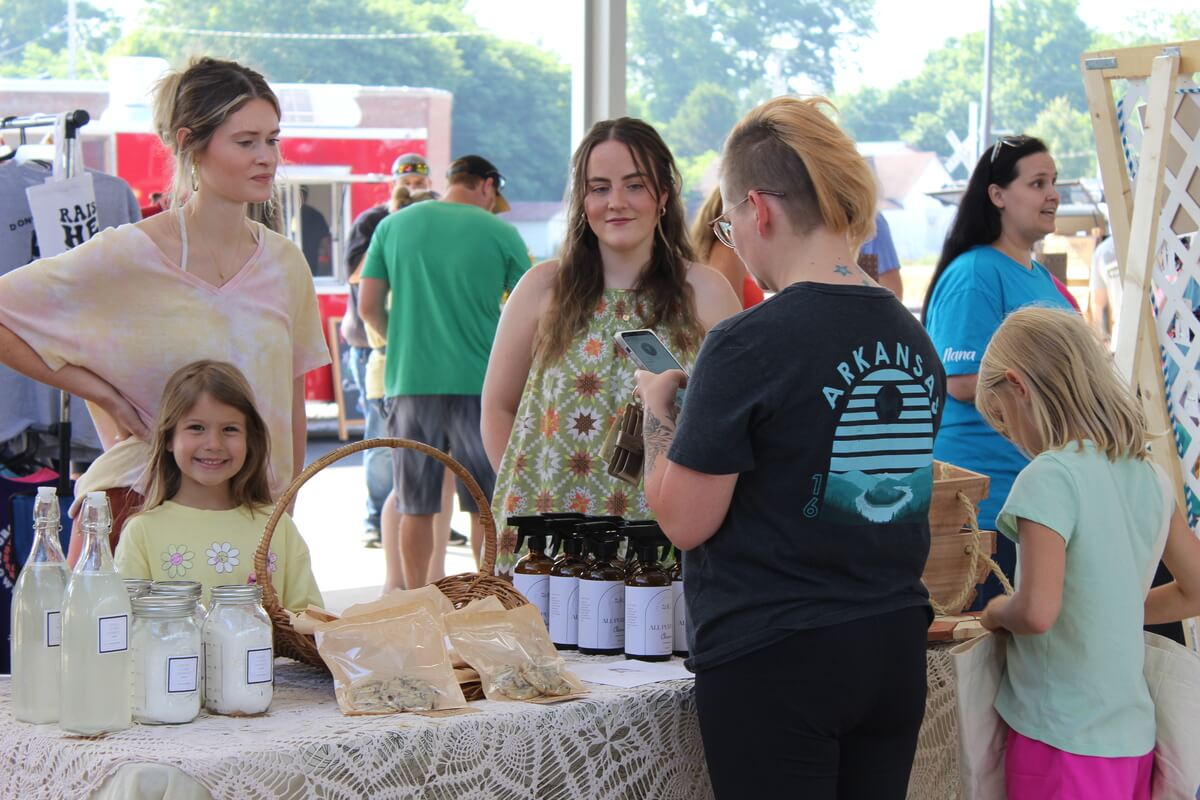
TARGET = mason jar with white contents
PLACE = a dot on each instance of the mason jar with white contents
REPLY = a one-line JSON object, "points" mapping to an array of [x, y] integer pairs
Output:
{"points": [[239, 657], [194, 591], [190, 589], [165, 654]]}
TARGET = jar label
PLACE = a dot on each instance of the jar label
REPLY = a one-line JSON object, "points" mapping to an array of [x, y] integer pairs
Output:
{"points": [[602, 614], [182, 674], [564, 610], [536, 589], [649, 622], [113, 634], [259, 663], [53, 628]]}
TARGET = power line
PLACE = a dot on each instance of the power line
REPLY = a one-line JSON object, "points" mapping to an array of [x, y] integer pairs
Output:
{"points": [[363, 37], [55, 28]]}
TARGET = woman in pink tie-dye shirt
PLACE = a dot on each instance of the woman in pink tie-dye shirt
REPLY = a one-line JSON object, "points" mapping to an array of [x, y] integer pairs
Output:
{"points": [[112, 319]]}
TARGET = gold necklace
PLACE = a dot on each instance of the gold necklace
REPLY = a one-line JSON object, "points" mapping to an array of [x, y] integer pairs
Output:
{"points": [[212, 254]]}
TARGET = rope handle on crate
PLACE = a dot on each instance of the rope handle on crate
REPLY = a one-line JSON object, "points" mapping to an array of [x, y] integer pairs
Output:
{"points": [[485, 511], [975, 550]]}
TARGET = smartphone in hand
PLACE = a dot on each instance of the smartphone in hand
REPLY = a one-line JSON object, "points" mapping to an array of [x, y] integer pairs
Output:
{"points": [[651, 354], [648, 351]]}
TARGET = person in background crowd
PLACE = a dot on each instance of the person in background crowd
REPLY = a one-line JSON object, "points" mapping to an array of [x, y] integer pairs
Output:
{"points": [[985, 272], [721, 258], [314, 237], [410, 173], [201, 281], [557, 378], [1104, 291], [799, 479], [884, 249], [445, 266], [1090, 516]]}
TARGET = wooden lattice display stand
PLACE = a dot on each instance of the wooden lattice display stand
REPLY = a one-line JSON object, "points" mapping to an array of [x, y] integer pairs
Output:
{"points": [[1145, 109]]}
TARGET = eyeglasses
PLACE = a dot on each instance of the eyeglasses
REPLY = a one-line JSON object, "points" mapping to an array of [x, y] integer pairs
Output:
{"points": [[723, 227], [1011, 141]]}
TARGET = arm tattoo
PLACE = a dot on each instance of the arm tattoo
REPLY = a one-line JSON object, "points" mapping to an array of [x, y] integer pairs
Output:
{"points": [[657, 435]]}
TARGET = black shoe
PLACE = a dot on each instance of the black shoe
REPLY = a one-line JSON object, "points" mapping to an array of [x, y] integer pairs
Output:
{"points": [[373, 540], [457, 538]]}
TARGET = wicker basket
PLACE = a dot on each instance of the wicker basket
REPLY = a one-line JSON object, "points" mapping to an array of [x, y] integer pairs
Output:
{"points": [[460, 589], [959, 553]]}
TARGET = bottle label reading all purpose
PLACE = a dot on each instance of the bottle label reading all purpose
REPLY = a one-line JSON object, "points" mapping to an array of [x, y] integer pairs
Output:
{"points": [[564, 610], [681, 643], [602, 615], [649, 620], [536, 589], [112, 634], [259, 663], [53, 630]]}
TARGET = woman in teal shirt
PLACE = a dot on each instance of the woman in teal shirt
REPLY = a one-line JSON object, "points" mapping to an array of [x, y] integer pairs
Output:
{"points": [[986, 271]]}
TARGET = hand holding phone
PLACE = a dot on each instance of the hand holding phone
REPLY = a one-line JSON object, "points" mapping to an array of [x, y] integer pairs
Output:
{"points": [[651, 354], [648, 351]]}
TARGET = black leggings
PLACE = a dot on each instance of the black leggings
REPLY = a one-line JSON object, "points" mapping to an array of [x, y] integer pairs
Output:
{"points": [[831, 713]]}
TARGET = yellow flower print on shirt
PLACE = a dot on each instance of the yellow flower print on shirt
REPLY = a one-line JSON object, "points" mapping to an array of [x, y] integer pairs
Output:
{"points": [[177, 560]]}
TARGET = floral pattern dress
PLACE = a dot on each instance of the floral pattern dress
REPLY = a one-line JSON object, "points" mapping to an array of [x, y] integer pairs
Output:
{"points": [[552, 462]]}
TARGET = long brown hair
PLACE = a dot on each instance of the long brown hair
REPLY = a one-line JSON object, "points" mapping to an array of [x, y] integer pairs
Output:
{"points": [[663, 284], [226, 384]]}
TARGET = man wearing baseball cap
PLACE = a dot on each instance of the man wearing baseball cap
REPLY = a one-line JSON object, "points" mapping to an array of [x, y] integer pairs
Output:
{"points": [[411, 171], [446, 265]]}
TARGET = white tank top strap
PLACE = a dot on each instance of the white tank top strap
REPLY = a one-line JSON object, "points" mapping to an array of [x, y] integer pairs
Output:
{"points": [[183, 253]]}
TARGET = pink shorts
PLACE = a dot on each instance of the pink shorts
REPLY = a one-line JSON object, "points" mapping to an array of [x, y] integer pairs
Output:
{"points": [[1034, 770]]}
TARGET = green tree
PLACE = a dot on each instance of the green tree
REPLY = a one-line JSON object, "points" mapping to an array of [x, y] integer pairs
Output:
{"points": [[674, 45], [511, 100], [1036, 50], [702, 122], [33, 38], [1068, 133]]}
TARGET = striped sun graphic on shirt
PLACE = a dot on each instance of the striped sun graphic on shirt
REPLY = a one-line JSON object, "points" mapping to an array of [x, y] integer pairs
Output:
{"points": [[881, 467]]}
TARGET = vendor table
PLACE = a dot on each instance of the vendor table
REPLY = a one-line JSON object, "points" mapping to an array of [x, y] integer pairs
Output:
{"points": [[615, 743]]}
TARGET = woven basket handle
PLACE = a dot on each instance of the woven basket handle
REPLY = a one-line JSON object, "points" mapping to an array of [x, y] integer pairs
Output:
{"points": [[289, 494], [975, 550]]}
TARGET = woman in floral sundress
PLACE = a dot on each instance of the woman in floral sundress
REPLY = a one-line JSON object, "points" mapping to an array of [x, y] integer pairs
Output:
{"points": [[556, 378]]}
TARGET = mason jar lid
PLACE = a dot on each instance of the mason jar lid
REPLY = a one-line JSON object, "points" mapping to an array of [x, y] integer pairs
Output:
{"points": [[191, 589], [136, 587], [237, 593], [157, 605]]}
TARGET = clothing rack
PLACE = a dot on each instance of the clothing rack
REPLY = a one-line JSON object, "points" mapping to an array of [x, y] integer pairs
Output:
{"points": [[72, 122]]}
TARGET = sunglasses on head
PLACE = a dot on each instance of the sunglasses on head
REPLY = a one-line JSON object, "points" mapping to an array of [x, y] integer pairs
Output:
{"points": [[1011, 141]]}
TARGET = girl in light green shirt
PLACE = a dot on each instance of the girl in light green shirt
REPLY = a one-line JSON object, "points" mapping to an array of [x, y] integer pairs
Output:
{"points": [[1091, 516]]}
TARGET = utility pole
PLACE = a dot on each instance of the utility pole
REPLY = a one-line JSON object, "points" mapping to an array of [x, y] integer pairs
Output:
{"points": [[985, 126], [72, 39]]}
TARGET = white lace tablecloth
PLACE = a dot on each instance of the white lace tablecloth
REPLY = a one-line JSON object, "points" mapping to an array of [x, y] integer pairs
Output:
{"points": [[615, 743]]}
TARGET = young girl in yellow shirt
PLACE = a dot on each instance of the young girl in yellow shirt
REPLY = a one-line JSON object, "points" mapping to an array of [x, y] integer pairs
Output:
{"points": [[208, 497]]}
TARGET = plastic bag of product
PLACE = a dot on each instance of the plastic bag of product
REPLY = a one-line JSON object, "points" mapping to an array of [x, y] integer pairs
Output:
{"points": [[387, 662], [513, 654]]}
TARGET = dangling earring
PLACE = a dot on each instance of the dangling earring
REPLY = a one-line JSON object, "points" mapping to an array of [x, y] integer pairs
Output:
{"points": [[195, 179]]}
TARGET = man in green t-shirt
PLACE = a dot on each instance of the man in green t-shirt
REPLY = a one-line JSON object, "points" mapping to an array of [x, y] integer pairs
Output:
{"points": [[446, 265]]}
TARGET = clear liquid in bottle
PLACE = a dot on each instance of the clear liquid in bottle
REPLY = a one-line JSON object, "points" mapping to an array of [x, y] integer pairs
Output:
{"points": [[37, 618], [95, 651]]}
